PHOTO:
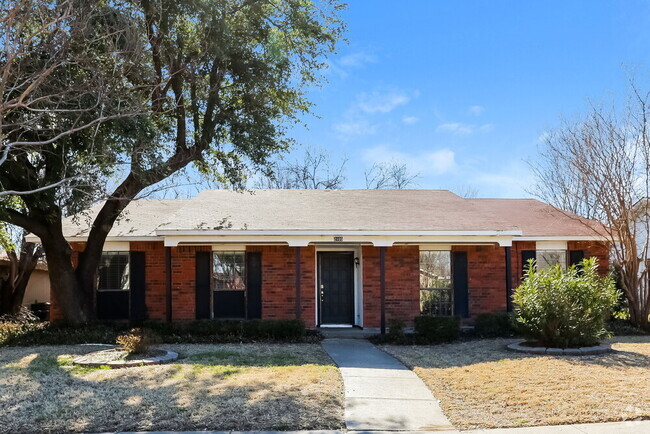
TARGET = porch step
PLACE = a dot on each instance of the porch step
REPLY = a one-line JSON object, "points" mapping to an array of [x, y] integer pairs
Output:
{"points": [[347, 333]]}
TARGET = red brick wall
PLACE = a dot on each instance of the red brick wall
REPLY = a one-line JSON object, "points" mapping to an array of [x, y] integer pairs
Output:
{"points": [[486, 276], [156, 287], [184, 281], [402, 284], [593, 248], [279, 282], [486, 273], [517, 265]]}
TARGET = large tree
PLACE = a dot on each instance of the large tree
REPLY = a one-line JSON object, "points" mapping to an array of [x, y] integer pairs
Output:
{"points": [[599, 167], [135, 91], [315, 171]]}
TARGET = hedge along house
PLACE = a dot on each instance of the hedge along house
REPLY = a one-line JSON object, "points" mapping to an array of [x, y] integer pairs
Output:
{"points": [[328, 257]]}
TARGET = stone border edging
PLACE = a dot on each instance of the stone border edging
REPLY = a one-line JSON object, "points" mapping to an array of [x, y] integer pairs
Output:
{"points": [[583, 351], [169, 356]]}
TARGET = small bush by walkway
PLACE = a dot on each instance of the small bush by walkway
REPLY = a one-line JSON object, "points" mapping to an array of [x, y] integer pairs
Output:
{"points": [[213, 387], [481, 385]]}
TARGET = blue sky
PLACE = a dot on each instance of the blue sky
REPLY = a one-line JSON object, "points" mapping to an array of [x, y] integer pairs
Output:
{"points": [[462, 91]]}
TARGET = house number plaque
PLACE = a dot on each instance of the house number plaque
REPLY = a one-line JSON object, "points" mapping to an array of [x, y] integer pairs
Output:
{"points": [[338, 239]]}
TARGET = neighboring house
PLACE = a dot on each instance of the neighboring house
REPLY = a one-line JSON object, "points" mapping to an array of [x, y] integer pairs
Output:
{"points": [[328, 257], [38, 288]]}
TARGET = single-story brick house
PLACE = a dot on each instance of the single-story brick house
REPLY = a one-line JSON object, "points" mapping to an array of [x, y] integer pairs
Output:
{"points": [[328, 257]]}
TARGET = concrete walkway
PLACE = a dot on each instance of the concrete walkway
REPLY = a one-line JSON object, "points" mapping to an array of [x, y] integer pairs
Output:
{"points": [[381, 394]]}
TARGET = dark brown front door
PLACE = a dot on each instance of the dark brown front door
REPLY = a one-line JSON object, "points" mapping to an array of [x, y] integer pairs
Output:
{"points": [[336, 287]]}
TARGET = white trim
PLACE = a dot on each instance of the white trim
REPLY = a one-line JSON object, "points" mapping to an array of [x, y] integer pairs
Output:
{"points": [[303, 240], [564, 238], [229, 247], [165, 232], [336, 326], [551, 245], [116, 246], [358, 281], [435, 247]]}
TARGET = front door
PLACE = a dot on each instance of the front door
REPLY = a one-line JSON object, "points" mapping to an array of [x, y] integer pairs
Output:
{"points": [[336, 287]]}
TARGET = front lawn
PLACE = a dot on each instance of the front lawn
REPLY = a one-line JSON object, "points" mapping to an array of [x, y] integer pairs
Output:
{"points": [[482, 385], [214, 387]]}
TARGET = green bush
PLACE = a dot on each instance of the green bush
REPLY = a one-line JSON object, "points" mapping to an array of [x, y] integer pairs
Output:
{"points": [[437, 329], [493, 325], [564, 308], [396, 334], [198, 332]]}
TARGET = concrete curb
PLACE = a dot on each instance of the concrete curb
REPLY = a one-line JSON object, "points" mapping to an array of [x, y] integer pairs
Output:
{"points": [[584, 351], [168, 356]]}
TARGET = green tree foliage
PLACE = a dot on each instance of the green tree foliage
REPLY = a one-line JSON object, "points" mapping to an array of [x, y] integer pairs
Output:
{"points": [[564, 308], [104, 99]]}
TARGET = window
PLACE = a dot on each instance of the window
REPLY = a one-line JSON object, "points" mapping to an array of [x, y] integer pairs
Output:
{"points": [[436, 288], [113, 272], [228, 271], [547, 258]]}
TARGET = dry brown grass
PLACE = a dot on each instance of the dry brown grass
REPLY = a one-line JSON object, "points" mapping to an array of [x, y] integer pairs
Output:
{"points": [[216, 387], [481, 385]]}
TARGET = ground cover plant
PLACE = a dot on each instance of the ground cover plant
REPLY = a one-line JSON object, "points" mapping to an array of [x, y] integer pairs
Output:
{"points": [[213, 387], [482, 385]]}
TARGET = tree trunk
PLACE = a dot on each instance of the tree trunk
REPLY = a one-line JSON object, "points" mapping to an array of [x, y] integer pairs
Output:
{"points": [[12, 289], [75, 301]]}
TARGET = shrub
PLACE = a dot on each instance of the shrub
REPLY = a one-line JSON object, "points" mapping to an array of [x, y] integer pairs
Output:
{"points": [[198, 332], [396, 333], [564, 308], [137, 341], [437, 329], [493, 325]]}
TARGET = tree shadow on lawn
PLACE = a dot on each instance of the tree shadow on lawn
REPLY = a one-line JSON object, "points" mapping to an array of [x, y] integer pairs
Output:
{"points": [[463, 354], [213, 390]]}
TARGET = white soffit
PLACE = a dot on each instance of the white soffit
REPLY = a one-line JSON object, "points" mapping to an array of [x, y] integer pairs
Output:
{"points": [[116, 246], [551, 245]]}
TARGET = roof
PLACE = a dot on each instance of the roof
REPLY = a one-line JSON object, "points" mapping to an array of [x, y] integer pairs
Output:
{"points": [[336, 210], [537, 219], [141, 218]]}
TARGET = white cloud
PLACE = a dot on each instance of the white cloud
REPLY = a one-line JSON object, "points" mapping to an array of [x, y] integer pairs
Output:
{"points": [[355, 128], [436, 162], [462, 129], [377, 102], [455, 128], [355, 60], [410, 120], [476, 110]]}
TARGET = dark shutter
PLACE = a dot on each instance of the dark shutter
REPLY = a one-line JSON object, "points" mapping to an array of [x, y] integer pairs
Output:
{"points": [[525, 256], [460, 281], [203, 271], [254, 284], [138, 284], [576, 257]]}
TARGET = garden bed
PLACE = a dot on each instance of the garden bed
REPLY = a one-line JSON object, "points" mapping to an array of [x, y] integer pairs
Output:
{"points": [[118, 358]]}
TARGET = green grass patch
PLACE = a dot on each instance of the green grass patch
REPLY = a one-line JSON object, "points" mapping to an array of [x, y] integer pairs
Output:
{"points": [[234, 358]]}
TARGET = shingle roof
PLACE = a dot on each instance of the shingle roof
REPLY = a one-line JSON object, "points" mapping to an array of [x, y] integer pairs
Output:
{"points": [[337, 210]]}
